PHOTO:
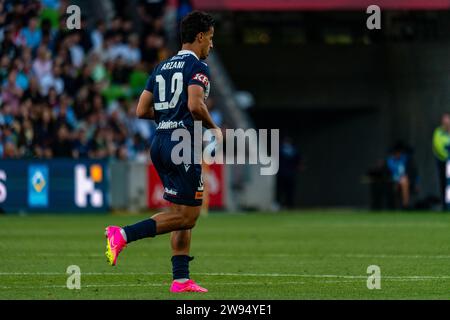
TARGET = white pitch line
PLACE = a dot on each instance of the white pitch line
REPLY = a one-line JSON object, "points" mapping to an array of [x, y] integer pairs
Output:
{"points": [[86, 286], [319, 275], [264, 283], [279, 255], [275, 275], [391, 256], [289, 255], [149, 285]]}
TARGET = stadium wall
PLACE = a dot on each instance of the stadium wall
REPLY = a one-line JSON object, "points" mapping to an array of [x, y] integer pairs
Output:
{"points": [[54, 186], [345, 106], [96, 186]]}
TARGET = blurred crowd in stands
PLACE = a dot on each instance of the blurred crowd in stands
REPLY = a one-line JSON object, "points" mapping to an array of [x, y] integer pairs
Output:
{"points": [[73, 93]]}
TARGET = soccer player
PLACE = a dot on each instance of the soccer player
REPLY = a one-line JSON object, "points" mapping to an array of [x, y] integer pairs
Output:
{"points": [[175, 97]]}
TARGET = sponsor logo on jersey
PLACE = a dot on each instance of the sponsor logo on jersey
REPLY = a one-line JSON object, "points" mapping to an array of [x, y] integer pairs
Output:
{"points": [[199, 195], [170, 125], [170, 191], [200, 184], [202, 78]]}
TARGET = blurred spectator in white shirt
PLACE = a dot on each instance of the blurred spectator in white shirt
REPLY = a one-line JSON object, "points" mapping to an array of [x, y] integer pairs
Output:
{"points": [[54, 80], [42, 65], [97, 36]]}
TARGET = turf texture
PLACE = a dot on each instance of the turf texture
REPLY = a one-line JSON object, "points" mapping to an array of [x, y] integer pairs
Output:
{"points": [[289, 255]]}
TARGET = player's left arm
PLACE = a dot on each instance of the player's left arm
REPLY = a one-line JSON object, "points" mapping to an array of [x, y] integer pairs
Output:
{"points": [[145, 108]]}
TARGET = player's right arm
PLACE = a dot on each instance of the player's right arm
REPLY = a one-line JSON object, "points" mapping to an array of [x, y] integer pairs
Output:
{"points": [[145, 108], [198, 108]]}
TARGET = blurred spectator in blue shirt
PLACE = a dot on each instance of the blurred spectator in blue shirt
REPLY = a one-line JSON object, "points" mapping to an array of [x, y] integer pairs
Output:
{"points": [[403, 172], [31, 35]]}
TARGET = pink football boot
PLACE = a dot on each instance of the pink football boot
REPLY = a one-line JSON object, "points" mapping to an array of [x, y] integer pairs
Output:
{"points": [[114, 244], [188, 286]]}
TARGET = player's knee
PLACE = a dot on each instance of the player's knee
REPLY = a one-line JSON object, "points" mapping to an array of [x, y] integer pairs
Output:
{"points": [[187, 217], [189, 222]]}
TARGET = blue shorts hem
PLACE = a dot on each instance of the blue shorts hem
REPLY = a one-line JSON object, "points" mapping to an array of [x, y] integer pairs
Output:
{"points": [[186, 202]]}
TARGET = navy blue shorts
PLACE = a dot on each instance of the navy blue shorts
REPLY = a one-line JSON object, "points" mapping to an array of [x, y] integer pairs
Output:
{"points": [[183, 183]]}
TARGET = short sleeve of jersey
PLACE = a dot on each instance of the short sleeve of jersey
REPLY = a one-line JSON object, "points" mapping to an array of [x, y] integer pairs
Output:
{"points": [[200, 75], [150, 83]]}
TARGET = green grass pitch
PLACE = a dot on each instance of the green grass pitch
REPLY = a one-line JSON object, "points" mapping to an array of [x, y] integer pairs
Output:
{"points": [[289, 255]]}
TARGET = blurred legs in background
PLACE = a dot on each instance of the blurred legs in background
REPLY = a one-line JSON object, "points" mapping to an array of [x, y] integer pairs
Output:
{"points": [[441, 165]]}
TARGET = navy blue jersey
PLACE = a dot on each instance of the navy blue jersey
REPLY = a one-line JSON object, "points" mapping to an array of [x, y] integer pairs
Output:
{"points": [[169, 84]]}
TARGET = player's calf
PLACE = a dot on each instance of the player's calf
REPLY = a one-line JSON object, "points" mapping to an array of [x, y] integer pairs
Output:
{"points": [[178, 218]]}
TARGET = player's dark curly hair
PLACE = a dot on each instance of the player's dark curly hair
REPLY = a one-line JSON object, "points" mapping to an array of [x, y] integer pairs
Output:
{"points": [[194, 23]]}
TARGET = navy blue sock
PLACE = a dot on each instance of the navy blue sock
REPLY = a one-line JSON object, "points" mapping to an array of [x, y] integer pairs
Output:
{"points": [[140, 230], [180, 266]]}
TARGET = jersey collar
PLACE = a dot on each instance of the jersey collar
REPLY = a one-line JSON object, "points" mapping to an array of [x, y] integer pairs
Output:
{"points": [[187, 52]]}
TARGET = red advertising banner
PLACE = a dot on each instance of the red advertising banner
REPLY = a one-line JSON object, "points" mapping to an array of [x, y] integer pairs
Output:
{"points": [[214, 183], [214, 178], [155, 189], [238, 5]]}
